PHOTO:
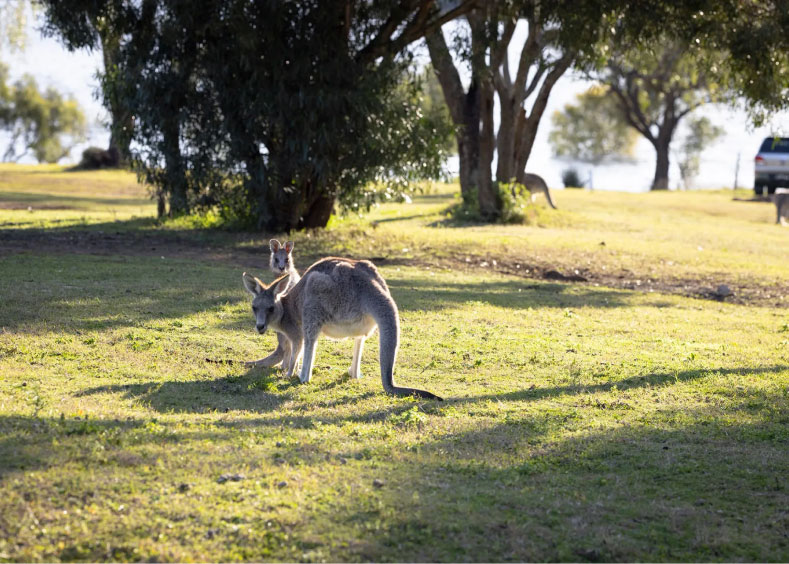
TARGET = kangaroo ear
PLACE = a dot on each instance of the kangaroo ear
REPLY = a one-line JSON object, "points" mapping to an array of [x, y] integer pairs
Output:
{"points": [[273, 245], [252, 284], [288, 246]]}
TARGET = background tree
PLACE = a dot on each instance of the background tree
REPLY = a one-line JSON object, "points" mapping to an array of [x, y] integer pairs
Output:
{"points": [[86, 24], [657, 87], [593, 130], [434, 109], [46, 124], [701, 133], [13, 22]]}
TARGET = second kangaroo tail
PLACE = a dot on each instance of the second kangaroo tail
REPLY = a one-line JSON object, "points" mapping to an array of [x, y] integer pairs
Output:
{"points": [[385, 315], [548, 197]]}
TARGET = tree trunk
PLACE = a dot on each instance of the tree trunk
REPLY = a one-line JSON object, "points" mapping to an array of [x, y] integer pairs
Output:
{"points": [[505, 142], [122, 121], [489, 201], [464, 107], [318, 212], [528, 132], [175, 179], [660, 181]]}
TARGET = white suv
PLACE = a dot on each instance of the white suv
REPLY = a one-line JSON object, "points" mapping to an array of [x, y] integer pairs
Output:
{"points": [[771, 165]]}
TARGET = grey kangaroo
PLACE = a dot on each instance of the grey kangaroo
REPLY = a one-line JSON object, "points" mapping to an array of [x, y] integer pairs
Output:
{"points": [[339, 298], [535, 183], [280, 261]]}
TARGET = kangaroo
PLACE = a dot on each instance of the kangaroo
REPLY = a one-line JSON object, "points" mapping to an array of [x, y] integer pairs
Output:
{"points": [[781, 201], [280, 261], [535, 183], [339, 298]]}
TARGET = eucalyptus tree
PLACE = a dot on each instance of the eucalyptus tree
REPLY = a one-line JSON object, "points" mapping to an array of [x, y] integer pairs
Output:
{"points": [[656, 87], [481, 44]]}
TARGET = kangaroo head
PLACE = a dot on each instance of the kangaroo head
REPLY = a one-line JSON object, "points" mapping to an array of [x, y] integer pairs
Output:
{"points": [[266, 305], [281, 258]]}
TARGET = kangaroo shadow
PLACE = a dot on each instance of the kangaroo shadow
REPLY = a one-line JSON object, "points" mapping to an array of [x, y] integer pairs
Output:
{"points": [[258, 390]]}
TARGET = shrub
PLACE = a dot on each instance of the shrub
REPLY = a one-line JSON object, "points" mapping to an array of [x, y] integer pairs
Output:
{"points": [[94, 158], [571, 178]]}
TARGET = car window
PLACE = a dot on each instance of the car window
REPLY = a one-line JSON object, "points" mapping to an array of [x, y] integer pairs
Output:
{"points": [[775, 145]]}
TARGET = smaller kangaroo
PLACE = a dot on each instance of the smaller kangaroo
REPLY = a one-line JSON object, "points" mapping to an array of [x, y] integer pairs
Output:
{"points": [[535, 183], [280, 261], [339, 298], [781, 201]]}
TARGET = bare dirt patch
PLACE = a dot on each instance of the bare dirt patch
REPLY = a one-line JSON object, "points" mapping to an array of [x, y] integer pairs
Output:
{"points": [[225, 248]]}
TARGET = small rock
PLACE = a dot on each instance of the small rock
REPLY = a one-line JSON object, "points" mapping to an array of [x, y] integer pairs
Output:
{"points": [[282, 484], [183, 488], [723, 291], [230, 478], [378, 483]]}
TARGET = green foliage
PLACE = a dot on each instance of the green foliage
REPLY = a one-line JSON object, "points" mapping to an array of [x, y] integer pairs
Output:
{"points": [[267, 112], [571, 178], [701, 133], [13, 20], [435, 110], [46, 124], [592, 130], [515, 203]]}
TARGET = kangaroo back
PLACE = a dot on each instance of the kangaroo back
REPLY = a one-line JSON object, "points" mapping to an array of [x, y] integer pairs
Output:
{"points": [[535, 183]]}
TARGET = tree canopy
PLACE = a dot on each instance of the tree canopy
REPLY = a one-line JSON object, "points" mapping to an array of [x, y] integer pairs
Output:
{"points": [[270, 110], [46, 124], [273, 111], [593, 129]]}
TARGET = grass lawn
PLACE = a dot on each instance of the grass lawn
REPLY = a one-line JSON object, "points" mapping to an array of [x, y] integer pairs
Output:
{"points": [[626, 416]]}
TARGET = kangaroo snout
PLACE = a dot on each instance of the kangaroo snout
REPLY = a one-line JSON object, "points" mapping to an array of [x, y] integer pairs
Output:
{"points": [[261, 327]]}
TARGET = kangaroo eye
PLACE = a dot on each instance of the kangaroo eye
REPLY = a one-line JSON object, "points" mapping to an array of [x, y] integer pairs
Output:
{"points": [[271, 309], [254, 309]]}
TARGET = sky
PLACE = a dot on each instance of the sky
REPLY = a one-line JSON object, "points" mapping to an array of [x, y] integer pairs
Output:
{"points": [[75, 73]]}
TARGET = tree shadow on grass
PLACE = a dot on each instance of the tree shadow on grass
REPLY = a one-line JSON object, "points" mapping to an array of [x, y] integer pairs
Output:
{"points": [[88, 293], [652, 380], [419, 294], [634, 493]]}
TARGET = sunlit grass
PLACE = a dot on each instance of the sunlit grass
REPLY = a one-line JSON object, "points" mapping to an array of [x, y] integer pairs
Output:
{"points": [[581, 423]]}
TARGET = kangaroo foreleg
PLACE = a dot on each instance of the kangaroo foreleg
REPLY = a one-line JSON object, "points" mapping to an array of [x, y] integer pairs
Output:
{"points": [[274, 358], [355, 369]]}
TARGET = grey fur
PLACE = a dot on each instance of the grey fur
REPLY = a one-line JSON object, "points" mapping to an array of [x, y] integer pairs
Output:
{"points": [[535, 183], [280, 261], [338, 298], [781, 201]]}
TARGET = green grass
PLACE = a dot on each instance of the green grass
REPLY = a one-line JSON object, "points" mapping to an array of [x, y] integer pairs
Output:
{"points": [[581, 422]]}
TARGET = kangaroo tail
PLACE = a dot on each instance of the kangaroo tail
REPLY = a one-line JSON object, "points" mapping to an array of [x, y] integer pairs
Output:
{"points": [[384, 311], [548, 197]]}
